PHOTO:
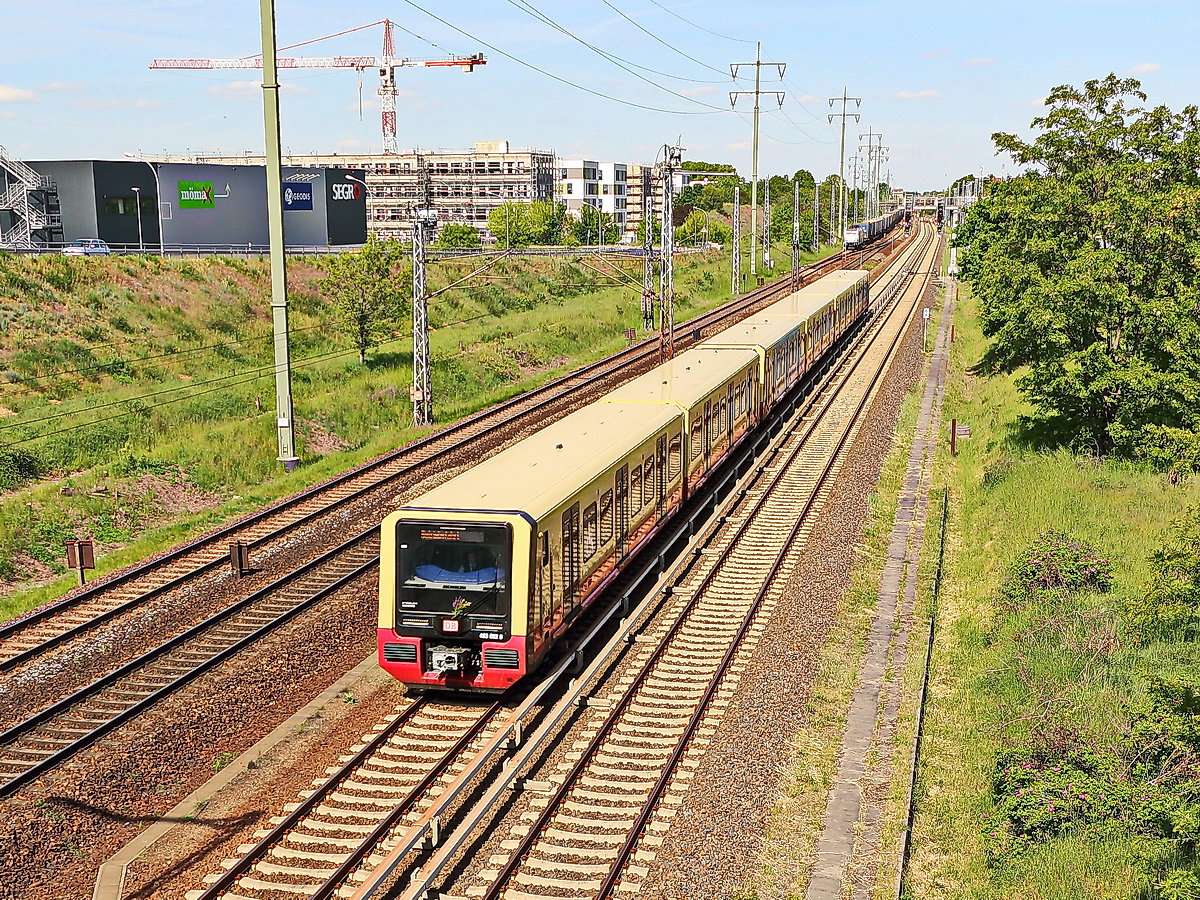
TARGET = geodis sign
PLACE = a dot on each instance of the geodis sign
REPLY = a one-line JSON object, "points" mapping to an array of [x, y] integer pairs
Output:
{"points": [[195, 195]]}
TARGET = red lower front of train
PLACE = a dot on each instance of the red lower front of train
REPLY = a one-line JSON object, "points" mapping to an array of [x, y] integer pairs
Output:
{"points": [[443, 661]]}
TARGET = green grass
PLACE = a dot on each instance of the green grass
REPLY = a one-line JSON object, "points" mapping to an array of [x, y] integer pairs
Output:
{"points": [[101, 344], [1006, 677]]}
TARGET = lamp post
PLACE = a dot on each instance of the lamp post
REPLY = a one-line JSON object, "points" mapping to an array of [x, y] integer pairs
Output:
{"points": [[137, 206], [157, 201]]}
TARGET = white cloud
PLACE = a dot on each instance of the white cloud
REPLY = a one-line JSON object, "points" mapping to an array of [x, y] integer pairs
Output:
{"points": [[63, 87], [252, 90], [701, 91], [1145, 69], [15, 95], [981, 61], [97, 103], [918, 95], [808, 98], [933, 54], [7, 114]]}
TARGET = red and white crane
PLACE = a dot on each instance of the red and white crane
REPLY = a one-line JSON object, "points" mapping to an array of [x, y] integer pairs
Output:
{"points": [[386, 64]]}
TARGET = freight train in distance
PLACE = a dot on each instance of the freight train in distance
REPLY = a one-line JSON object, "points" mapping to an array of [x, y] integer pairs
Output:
{"points": [[481, 576], [863, 233]]}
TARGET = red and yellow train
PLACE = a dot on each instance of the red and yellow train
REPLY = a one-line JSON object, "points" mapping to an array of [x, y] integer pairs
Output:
{"points": [[479, 577]]}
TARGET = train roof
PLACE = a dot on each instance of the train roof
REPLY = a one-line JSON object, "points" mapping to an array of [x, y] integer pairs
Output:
{"points": [[764, 330], [535, 474], [812, 299], [685, 380]]}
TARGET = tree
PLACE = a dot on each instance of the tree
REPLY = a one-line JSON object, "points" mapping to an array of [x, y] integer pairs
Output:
{"points": [[594, 226], [1088, 269], [456, 236], [371, 298], [512, 225]]}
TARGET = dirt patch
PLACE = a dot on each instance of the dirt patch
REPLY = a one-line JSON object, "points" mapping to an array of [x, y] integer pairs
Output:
{"points": [[171, 493], [320, 440], [528, 368], [5, 411]]}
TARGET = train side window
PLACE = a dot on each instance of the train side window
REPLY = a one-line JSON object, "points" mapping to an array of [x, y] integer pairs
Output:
{"points": [[590, 543], [697, 438], [606, 517], [544, 539], [648, 481], [675, 456], [635, 487]]}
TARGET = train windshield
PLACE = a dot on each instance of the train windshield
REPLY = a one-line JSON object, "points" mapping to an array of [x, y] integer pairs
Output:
{"points": [[453, 568]]}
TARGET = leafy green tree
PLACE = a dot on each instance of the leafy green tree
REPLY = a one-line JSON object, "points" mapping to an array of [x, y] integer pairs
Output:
{"points": [[546, 220], [594, 225], [512, 224], [371, 289], [1088, 270], [1169, 603], [456, 236]]}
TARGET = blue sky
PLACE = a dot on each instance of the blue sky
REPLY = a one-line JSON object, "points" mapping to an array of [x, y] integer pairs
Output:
{"points": [[936, 78]]}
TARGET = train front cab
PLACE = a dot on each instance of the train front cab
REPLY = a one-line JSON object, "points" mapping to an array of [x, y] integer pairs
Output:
{"points": [[452, 604]]}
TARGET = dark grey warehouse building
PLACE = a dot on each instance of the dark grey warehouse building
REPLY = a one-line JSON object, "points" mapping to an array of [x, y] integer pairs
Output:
{"points": [[185, 206]]}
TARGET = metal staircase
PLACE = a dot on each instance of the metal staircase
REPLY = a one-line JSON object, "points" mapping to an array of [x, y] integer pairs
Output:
{"points": [[29, 210]]}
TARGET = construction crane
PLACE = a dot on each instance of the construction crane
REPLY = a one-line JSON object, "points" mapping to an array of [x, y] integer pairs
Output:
{"points": [[387, 64]]}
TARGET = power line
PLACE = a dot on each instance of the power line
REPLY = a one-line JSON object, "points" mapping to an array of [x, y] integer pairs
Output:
{"points": [[620, 62], [528, 65], [701, 27], [666, 44]]}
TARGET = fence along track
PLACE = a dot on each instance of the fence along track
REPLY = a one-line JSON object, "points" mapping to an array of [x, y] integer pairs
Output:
{"points": [[25, 639], [645, 751]]}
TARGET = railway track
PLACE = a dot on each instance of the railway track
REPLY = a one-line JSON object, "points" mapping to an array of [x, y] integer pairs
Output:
{"points": [[647, 733], [590, 836], [54, 728], [319, 845]]}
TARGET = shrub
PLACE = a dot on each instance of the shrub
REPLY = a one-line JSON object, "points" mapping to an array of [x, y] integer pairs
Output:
{"points": [[1058, 563], [17, 466], [1169, 603]]}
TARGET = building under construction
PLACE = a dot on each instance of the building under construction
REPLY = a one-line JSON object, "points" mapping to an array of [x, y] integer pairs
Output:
{"points": [[462, 186]]}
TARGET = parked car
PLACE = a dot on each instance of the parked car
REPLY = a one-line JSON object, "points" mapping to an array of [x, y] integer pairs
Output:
{"points": [[87, 247]]}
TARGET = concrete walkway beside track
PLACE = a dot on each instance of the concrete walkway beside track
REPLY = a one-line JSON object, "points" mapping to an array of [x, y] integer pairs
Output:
{"points": [[848, 852]]}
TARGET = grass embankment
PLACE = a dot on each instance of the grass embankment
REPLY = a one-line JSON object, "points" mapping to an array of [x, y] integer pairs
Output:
{"points": [[1061, 735], [141, 390]]}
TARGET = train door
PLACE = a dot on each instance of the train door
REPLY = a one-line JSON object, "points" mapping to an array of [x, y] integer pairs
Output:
{"points": [[622, 492], [543, 591], [730, 412], [570, 560], [708, 433], [660, 475]]}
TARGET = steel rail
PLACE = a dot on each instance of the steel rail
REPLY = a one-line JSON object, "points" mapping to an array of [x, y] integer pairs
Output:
{"points": [[173, 686], [246, 862], [427, 830], [500, 881], [609, 884]]}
